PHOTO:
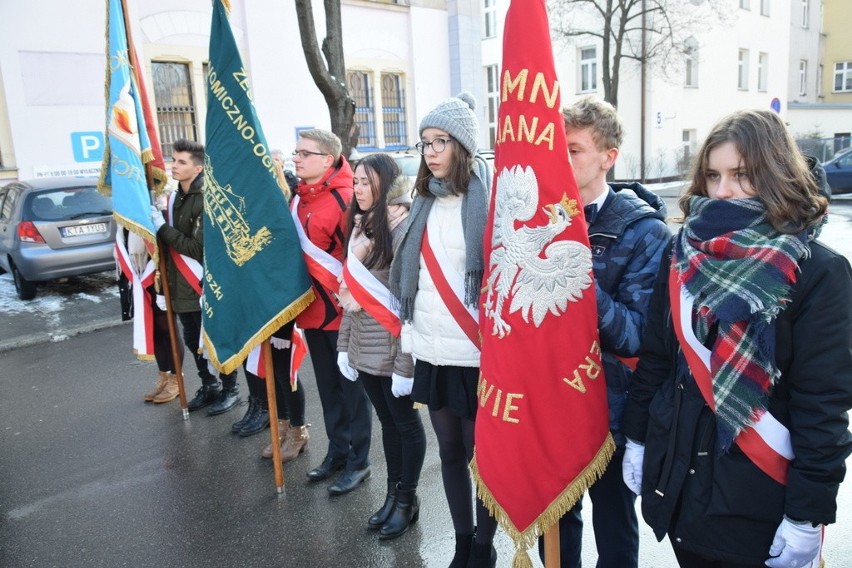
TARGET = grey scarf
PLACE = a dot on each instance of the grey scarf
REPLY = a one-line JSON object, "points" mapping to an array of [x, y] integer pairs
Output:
{"points": [[406, 262]]}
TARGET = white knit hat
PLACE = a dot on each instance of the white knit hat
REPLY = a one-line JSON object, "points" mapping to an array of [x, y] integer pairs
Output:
{"points": [[455, 116]]}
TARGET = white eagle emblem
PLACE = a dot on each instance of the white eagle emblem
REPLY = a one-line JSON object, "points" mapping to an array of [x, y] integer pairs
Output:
{"points": [[538, 275]]}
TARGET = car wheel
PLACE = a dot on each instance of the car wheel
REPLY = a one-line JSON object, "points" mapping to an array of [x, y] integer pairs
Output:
{"points": [[26, 289]]}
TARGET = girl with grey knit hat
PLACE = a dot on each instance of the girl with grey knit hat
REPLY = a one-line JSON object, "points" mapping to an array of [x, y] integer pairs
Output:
{"points": [[436, 275]]}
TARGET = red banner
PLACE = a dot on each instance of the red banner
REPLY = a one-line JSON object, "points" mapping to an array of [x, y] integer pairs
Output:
{"points": [[542, 429]]}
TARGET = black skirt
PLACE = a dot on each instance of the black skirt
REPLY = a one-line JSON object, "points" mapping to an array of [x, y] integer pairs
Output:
{"points": [[439, 386]]}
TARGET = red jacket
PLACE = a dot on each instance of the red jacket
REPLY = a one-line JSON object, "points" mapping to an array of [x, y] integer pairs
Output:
{"points": [[322, 212]]}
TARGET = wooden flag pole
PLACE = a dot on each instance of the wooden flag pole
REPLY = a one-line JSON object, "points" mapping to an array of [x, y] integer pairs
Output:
{"points": [[278, 467], [170, 315], [551, 547]]}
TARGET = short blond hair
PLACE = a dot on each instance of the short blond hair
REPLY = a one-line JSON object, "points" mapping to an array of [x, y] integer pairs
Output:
{"points": [[598, 116], [327, 140]]}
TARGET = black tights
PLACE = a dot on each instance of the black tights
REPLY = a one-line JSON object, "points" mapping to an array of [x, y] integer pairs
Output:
{"points": [[455, 447]]}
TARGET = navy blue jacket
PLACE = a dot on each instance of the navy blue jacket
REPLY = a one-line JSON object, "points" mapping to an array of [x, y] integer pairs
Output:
{"points": [[628, 237]]}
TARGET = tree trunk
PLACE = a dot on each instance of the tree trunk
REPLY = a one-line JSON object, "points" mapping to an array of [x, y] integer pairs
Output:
{"points": [[328, 69]]}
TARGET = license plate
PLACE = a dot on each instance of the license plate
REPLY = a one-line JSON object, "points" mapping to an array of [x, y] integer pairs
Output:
{"points": [[78, 230]]}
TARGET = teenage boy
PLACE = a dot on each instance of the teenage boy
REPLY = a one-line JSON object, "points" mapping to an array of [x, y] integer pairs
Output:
{"points": [[627, 235], [183, 238], [320, 207]]}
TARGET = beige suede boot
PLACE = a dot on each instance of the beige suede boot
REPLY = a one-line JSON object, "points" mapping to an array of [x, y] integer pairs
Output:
{"points": [[158, 387], [170, 391], [296, 443], [283, 426]]}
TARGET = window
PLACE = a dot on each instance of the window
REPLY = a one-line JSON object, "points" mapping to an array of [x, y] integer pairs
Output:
{"points": [[806, 8], [393, 110], [764, 7], [762, 71], [691, 63], [745, 4], [492, 83], [843, 77], [803, 77], [489, 13], [841, 142], [588, 69], [359, 89], [175, 104], [689, 138], [742, 78]]}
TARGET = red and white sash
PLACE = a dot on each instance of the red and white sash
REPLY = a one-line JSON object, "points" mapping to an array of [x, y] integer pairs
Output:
{"points": [[767, 441], [373, 296], [191, 270], [298, 350], [143, 312], [321, 265], [450, 287]]}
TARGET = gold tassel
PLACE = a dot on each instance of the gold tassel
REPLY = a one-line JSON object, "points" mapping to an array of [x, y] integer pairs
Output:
{"points": [[521, 559]]}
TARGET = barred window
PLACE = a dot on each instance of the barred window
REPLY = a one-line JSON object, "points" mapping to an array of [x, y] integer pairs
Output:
{"points": [[175, 104], [359, 90], [393, 110]]}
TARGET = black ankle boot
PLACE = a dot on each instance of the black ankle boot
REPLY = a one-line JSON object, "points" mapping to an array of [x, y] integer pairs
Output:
{"points": [[405, 513], [460, 558], [258, 422], [379, 517], [228, 398], [206, 395], [253, 403], [482, 556]]}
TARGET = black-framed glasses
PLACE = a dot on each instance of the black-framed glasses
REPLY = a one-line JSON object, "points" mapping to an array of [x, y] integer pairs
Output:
{"points": [[438, 144], [305, 153]]}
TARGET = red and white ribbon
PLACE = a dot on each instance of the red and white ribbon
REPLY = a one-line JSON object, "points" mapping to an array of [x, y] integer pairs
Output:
{"points": [[191, 270], [321, 265], [766, 442], [298, 350], [450, 286], [373, 296], [143, 312]]}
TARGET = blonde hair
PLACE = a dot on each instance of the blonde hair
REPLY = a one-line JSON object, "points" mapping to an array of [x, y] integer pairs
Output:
{"points": [[327, 140]]}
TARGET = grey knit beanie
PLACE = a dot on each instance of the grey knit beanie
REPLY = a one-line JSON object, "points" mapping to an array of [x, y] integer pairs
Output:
{"points": [[455, 116]]}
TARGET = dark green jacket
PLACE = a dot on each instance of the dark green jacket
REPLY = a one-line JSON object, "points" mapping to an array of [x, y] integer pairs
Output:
{"points": [[185, 234]]}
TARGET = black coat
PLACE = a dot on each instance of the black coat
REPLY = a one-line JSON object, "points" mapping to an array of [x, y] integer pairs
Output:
{"points": [[720, 505]]}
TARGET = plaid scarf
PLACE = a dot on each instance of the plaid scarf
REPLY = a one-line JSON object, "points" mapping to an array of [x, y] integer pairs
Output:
{"points": [[740, 271]]}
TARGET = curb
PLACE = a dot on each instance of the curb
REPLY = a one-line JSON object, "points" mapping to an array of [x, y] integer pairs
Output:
{"points": [[44, 337]]}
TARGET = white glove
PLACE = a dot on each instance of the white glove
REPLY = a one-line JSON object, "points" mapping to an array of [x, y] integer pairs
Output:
{"points": [[343, 364], [795, 545], [161, 302], [157, 218], [631, 466], [401, 386], [279, 343]]}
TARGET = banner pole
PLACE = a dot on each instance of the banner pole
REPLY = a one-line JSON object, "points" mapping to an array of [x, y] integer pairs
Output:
{"points": [[170, 315], [272, 403], [551, 547]]}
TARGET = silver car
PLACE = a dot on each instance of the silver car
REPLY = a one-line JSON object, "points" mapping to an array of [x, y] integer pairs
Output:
{"points": [[54, 228]]}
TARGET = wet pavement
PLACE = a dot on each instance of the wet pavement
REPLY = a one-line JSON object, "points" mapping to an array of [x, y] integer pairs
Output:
{"points": [[91, 476]]}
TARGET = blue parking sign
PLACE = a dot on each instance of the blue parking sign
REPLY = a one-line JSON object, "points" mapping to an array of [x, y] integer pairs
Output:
{"points": [[88, 146]]}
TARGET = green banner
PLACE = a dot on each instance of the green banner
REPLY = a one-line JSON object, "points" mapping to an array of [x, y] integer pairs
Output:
{"points": [[255, 278]]}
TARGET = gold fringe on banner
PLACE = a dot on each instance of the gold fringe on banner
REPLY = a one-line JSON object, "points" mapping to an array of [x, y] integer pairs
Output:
{"points": [[526, 538], [227, 5], [286, 315]]}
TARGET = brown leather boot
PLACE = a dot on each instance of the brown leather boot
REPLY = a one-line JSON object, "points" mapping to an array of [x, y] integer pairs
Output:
{"points": [[158, 387], [169, 392], [283, 426], [297, 441]]}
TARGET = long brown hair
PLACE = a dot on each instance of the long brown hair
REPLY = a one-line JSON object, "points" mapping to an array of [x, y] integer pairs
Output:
{"points": [[382, 171], [459, 175], [776, 168]]}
